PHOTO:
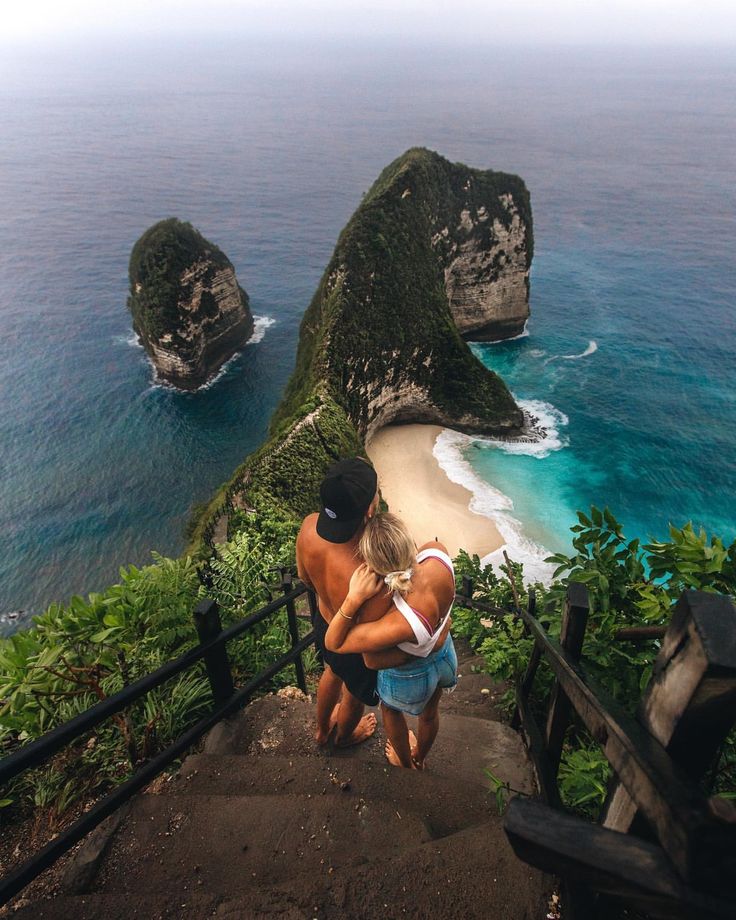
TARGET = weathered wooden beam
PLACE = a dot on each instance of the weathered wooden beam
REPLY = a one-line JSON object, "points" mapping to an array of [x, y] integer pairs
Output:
{"points": [[639, 633], [545, 775], [531, 669], [698, 844], [689, 705], [614, 864], [525, 685], [572, 634]]}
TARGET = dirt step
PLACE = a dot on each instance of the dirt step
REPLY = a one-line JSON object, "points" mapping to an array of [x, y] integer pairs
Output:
{"points": [[468, 876], [445, 808], [473, 875], [232, 843], [465, 747]]}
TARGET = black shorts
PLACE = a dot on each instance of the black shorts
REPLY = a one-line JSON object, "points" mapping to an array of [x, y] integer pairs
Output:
{"points": [[350, 668]]}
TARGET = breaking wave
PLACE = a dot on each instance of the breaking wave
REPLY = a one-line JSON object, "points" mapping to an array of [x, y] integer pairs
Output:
{"points": [[592, 347], [544, 422]]}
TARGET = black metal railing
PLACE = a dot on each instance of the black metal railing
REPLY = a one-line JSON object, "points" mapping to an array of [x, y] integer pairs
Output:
{"points": [[212, 649]]}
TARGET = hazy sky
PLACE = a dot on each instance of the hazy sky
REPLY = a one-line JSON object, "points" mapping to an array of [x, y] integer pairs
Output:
{"points": [[586, 21]]}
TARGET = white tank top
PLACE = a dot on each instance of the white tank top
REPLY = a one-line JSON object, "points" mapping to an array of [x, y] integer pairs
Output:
{"points": [[426, 637]]}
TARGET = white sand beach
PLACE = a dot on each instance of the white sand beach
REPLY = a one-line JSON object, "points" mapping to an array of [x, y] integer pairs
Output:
{"points": [[417, 489]]}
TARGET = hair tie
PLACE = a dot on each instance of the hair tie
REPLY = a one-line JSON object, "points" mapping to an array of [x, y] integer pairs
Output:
{"points": [[406, 573]]}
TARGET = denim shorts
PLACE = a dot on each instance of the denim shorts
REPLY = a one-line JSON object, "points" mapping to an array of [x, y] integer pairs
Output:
{"points": [[411, 686]]}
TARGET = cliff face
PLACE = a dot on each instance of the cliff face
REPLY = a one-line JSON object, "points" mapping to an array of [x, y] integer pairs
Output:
{"points": [[188, 308], [435, 251], [487, 273]]}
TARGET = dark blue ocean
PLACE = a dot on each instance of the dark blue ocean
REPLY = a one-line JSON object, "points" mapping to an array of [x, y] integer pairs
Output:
{"points": [[630, 157]]}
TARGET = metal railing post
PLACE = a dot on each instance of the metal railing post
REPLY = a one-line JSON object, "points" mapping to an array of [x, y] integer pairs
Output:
{"points": [[286, 586], [207, 621]]}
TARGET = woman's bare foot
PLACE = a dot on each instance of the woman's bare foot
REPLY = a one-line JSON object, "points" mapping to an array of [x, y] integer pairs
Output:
{"points": [[362, 731], [393, 758], [323, 737]]}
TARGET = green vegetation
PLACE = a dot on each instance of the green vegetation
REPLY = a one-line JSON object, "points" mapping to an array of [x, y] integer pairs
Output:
{"points": [[82, 652], [88, 649], [379, 318], [161, 255], [380, 313], [629, 585]]}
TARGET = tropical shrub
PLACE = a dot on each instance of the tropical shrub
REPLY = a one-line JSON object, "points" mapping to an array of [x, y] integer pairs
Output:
{"points": [[629, 584], [82, 652]]}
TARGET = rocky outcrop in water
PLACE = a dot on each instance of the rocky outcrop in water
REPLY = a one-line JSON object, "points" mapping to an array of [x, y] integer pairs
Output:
{"points": [[188, 308]]}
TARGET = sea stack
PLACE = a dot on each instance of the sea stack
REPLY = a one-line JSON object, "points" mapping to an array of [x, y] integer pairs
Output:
{"points": [[188, 309]]}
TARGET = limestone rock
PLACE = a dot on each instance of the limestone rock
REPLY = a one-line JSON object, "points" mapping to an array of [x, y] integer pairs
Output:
{"points": [[487, 275], [188, 308], [436, 252]]}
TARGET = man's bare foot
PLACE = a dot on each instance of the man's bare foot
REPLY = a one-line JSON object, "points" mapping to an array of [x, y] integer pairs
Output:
{"points": [[362, 732], [323, 737], [393, 758]]}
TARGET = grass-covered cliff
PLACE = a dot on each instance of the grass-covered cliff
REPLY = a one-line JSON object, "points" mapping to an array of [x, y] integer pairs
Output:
{"points": [[379, 342], [379, 335]]}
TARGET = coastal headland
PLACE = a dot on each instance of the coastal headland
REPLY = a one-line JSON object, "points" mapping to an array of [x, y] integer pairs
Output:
{"points": [[383, 340]]}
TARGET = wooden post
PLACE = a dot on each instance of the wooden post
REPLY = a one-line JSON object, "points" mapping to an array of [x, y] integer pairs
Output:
{"points": [[525, 686], [467, 584], [286, 586], [689, 705], [207, 621], [618, 865], [572, 633]]}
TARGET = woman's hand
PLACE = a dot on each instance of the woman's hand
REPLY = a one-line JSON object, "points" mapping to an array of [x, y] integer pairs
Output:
{"points": [[364, 583]]}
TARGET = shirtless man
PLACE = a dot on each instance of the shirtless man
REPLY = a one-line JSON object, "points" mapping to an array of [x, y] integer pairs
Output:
{"points": [[326, 557]]}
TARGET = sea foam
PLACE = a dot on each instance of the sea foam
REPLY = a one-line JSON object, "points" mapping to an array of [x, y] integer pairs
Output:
{"points": [[591, 349], [260, 325], [449, 450]]}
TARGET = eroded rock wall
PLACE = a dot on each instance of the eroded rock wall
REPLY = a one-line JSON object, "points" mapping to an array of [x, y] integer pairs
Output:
{"points": [[188, 308], [215, 322], [487, 272]]}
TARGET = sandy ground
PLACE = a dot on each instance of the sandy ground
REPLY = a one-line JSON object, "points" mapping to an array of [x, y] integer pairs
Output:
{"points": [[417, 489]]}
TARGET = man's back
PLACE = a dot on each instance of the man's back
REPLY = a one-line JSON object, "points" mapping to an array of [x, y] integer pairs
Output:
{"points": [[328, 567]]}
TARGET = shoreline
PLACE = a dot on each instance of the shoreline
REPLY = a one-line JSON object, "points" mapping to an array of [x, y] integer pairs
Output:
{"points": [[415, 487]]}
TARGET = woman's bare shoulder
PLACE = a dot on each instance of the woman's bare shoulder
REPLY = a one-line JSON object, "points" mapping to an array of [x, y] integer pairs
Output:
{"points": [[433, 544]]}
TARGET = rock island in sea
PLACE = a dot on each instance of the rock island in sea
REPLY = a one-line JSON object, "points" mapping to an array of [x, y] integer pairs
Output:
{"points": [[188, 309], [435, 252]]}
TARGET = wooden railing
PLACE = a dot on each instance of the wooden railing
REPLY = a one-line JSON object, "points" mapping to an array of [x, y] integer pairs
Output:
{"points": [[661, 844], [227, 699]]}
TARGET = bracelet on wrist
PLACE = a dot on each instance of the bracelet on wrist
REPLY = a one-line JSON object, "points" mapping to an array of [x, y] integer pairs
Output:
{"points": [[344, 615]]}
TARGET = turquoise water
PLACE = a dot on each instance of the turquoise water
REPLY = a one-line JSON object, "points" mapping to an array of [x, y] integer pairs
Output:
{"points": [[630, 160], [650, 425]]}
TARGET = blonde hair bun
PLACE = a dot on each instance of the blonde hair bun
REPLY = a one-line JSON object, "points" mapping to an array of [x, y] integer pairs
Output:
{"points": [[389, 549]]}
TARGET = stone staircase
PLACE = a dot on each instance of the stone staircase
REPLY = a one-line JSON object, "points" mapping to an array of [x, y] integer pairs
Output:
{"points": [[263, 823]]}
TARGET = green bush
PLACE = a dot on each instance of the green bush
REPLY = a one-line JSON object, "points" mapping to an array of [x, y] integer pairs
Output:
{"points": [[629, 584]]}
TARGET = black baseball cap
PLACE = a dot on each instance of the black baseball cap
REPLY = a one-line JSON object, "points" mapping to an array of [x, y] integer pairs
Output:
{"points": [[346, 492]]}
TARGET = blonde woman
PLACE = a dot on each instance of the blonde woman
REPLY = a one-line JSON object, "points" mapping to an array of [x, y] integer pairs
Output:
{"points": [[422, 588]]}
